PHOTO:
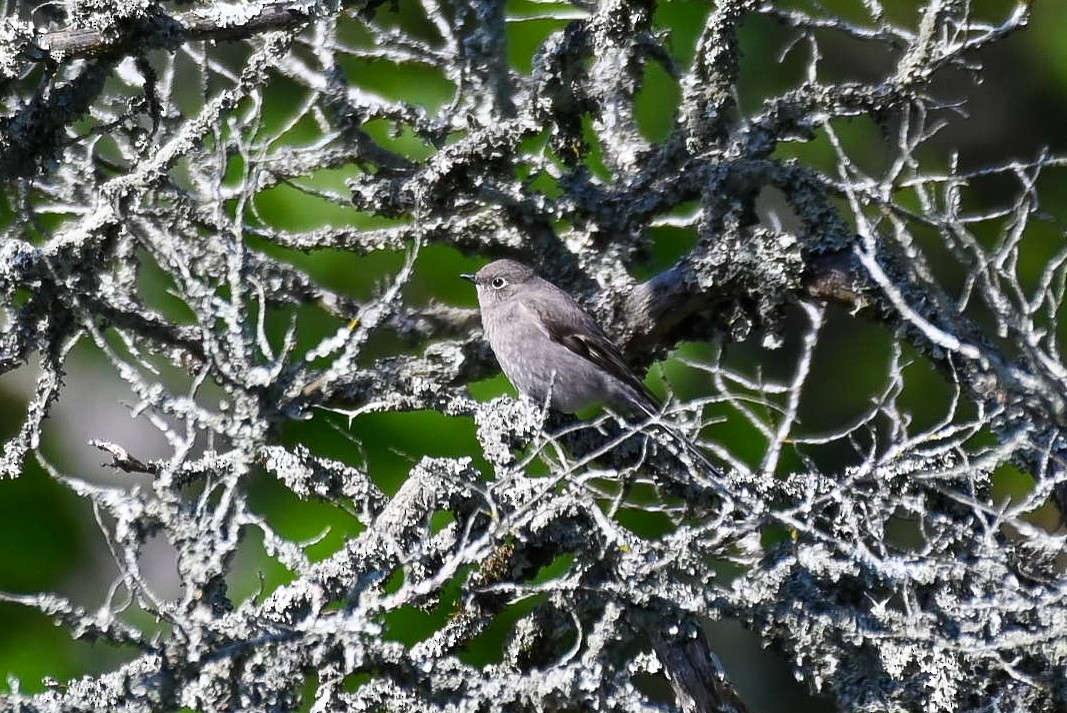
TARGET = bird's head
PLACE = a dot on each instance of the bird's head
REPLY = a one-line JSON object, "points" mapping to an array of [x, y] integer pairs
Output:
{"points": [[499, 280]]}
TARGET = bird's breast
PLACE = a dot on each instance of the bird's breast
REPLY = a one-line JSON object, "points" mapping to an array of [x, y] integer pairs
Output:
{"points": [[535, 363]]}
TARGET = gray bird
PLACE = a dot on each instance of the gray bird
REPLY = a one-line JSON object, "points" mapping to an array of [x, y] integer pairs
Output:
{"points": [[548, 346], [544, 340]]}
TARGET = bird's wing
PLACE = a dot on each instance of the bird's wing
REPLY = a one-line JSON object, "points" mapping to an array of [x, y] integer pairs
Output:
{"points": [[579, 332]]}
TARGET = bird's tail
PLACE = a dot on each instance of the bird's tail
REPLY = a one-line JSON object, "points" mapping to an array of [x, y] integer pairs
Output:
{"points": [[686, 449], [689, 449]]}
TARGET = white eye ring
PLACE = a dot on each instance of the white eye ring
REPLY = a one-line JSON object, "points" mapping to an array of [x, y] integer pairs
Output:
{"points": [[499, 282]]}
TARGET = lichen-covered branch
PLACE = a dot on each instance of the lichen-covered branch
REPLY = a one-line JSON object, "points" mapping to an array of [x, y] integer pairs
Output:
{"points": [[246, 216]]}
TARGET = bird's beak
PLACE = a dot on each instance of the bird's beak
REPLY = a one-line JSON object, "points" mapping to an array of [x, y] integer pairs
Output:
{"points": [[467, 276]]}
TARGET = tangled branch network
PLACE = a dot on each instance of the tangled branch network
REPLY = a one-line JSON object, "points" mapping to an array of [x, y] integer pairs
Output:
{"points": [[243, 224]]}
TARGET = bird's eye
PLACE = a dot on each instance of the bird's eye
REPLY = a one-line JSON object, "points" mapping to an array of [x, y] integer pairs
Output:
{"points": [[499, 282]]}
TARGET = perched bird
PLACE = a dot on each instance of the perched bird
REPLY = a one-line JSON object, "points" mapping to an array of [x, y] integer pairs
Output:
{"points": [[550, 348], [545, 341]]}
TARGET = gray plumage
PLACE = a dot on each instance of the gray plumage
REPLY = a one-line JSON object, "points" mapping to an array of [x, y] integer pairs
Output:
{"points": [[548, 345], [545, 341]]}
